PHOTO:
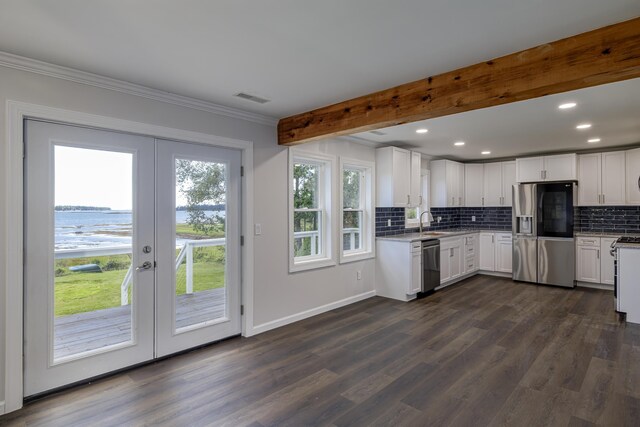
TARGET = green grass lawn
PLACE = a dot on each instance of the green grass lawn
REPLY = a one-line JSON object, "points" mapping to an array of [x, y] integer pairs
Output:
{"points": [[82, 292]]}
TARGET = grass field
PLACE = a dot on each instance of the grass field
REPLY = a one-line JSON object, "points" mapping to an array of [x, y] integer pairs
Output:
{"points": [[82, 292]]}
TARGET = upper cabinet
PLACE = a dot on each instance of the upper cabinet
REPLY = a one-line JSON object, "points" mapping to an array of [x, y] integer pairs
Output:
{"points": [[398, 177], [601, 179], [447, 184], [562, 167], [633, 176], [499, 177], [474, 184]]}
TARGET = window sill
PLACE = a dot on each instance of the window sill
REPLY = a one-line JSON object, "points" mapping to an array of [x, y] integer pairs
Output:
{"points": [[312, 264], [358, 256]]}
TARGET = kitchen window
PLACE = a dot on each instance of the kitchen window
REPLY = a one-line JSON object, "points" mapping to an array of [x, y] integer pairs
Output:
{"points": [[310, 218], [412, 215], [356, 196]]}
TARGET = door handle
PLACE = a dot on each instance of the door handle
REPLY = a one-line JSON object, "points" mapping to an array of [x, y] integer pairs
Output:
{"points": [[145, 266]]}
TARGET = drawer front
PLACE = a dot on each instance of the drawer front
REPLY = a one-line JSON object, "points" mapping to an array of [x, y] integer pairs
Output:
{"points": [[416, 247], [502, 237], [470, 264], [588, 241]]}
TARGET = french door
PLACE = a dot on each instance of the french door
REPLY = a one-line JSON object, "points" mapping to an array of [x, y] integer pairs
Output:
{"points": [[132, 250]]}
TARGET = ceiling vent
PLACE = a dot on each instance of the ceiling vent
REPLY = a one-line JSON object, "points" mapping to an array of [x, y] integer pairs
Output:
{"points": [[377, 132], [253, 98]]}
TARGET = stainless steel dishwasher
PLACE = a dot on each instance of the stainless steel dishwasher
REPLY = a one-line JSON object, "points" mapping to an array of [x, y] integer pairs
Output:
{"points": [[430, 265]]}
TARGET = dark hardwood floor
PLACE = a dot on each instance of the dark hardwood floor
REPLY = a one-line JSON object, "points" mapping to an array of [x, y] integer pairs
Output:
{"points": [[485, 352]]}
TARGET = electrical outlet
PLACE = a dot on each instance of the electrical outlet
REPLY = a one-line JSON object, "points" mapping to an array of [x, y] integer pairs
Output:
{"points": [[439, 219], [389, 223], [473, 218], [359, 275]]}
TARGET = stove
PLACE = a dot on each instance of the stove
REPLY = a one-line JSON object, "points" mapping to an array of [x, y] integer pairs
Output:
{"points": [[629, 240]]}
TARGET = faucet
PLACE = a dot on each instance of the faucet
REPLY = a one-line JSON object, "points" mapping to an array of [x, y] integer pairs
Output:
{"points": [[430, 217]]}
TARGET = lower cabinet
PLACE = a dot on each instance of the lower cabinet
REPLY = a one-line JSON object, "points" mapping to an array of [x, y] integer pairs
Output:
{"points": [[450, 259], [398, 269], [594, 263], [496, 250]]}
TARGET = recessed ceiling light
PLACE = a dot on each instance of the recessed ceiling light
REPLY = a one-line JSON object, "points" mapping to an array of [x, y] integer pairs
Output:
{"points": [[486, 152], [583, 126], [567, 105], [593, 140], [423, 130], [459, 143]]}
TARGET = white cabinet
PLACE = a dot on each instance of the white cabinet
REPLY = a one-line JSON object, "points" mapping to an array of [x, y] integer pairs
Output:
{"points": [[447, 183], [606, 260], [473, 184], [470, 244], [633, 176], [561, 167], [594, 262], [451, 265], [487, 252], [397, 177], [498, 180], [398, 269], [601, 179], [504, 251]]}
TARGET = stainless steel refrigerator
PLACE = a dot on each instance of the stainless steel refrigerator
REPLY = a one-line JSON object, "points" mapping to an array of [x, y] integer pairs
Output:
{"points": [[543, 241]]}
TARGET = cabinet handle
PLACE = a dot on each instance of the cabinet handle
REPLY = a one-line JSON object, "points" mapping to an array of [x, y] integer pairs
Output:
{"points": [[453, 201], [639, 183], [460, 201], [420, 200], [408, 199], [483, 200], [451, 253], [493, 238], [603, 199]]}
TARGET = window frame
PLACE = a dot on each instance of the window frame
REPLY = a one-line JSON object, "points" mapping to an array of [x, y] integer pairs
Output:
{"points": [[326, 190], [367, 203]]}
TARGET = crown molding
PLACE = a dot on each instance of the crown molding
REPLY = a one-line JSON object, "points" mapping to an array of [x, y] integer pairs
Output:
{"points": [[44, 68]]}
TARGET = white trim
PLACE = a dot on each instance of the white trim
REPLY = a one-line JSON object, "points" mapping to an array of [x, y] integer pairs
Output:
{"points": [[369, 227], [602, 286], [2, 407], [65, 73], [13, 170], [264, 327], [328, 193]]}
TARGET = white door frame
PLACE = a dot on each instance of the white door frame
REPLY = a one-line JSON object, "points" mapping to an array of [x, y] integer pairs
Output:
{"points": [[14, 226]]}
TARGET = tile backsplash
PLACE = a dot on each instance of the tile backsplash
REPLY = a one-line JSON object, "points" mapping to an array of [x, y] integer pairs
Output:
{"points": [[486, 218], [599, 219], [607, 219]]}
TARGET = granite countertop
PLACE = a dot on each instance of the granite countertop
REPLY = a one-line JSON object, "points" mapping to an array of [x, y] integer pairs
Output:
{"points": [[414, 237]]}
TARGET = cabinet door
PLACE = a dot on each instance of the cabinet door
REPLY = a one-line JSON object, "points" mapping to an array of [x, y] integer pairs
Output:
{"points": [[529, 169], [588, 264], [415, 184], [613, 177], [508, 180], [487, 251], [473, 184], [504, 252], [589, 179], [416, 273], [492, 184], [401, 177], [606, 260], [560, 168], [452, 183], [456, 260], [445, 264], [633, 176]]}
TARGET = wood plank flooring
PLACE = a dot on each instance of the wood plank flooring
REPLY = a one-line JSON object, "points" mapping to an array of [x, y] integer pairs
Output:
{"points": [[92, 330], [487, 351]]}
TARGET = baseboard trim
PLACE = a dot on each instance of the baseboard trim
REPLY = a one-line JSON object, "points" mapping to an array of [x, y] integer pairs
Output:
{"points": [[594, 286], [264, 327], [495, 273]]}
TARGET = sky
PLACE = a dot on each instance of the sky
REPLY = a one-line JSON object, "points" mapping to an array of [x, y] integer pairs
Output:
{"points": [[85, 177], [93, 178]]}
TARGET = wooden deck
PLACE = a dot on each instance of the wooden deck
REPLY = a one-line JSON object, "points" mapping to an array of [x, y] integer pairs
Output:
{"points": [[96, 329]]}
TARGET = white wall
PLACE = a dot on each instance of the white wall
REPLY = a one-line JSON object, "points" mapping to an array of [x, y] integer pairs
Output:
{"points": [[278, 294]]}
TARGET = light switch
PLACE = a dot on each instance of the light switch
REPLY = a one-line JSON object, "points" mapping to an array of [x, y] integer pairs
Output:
{"points": [[258, 229]]}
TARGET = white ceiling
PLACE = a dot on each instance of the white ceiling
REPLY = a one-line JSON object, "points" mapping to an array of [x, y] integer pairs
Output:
{"points": [[528, 127], [301, 54]]}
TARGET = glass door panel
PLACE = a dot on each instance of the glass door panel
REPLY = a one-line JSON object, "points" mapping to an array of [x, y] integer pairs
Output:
{"points": [[92, 250], [201, 194]]}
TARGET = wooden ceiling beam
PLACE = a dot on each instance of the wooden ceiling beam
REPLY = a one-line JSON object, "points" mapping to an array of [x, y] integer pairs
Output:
{"points": [[605, 55]]}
